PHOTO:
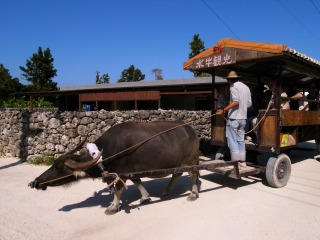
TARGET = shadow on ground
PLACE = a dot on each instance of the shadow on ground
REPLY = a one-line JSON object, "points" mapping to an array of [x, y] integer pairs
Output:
{"points": [[155, 187], [11, 164]]}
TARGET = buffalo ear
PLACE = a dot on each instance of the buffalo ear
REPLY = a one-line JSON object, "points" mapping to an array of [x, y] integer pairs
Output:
{"points": [[83, 151]]}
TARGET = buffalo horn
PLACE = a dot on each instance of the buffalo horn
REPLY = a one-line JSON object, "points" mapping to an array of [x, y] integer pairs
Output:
{"points": [[78, 147], [83, 165]]}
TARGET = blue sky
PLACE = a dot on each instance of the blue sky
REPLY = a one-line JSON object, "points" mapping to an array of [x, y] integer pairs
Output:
{"points": [[108, 36]]}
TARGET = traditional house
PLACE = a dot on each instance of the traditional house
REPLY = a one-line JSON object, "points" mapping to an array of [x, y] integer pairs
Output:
{"points": [[186, 94]]}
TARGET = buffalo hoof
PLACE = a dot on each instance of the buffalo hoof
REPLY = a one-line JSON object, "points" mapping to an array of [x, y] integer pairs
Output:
{"points": [[145, 200], [192, 197], [165, 196], [112, 210]]}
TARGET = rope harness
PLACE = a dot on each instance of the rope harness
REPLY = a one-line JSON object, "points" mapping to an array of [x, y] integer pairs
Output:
{"points": [[105, 173]]}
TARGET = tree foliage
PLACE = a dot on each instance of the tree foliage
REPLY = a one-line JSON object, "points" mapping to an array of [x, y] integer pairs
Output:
{"points": [[8, 84], [157, 73], [22, 102], [196, 46], [39, 71], [103, 79], [131, 74]]}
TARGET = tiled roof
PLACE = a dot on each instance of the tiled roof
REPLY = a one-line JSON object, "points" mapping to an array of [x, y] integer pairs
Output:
{"points": [[301, 55], [143, 84], [277, 49]]}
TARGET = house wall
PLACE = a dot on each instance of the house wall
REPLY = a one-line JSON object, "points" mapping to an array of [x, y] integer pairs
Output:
{"points": [[186, 101]]}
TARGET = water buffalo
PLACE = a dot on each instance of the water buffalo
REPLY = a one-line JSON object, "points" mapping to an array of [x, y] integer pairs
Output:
{"points": [[129, 147]]}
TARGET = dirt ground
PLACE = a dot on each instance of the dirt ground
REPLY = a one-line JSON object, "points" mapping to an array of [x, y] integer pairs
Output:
{"points": [[227, 208]]}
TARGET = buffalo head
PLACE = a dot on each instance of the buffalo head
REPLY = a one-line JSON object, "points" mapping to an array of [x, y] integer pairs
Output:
{"points": [[68, 168]]}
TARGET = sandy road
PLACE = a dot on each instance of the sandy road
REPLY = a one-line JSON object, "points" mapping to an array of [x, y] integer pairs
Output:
{"points": [[226, 209]]}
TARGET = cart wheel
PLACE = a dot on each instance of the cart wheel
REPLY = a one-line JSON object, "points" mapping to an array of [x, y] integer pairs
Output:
{"points": [[278, 171]]}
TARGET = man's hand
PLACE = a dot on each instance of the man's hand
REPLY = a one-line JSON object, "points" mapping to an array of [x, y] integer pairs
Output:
{"points": [[220, 111]]}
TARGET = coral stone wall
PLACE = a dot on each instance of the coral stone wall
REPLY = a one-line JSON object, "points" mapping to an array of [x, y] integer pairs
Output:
{"points": [[26, 133]]}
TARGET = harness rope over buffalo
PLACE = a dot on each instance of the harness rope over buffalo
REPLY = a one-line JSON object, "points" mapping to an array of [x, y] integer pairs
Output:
{"points": [[117, 178], [112, 156], [127, 148]]}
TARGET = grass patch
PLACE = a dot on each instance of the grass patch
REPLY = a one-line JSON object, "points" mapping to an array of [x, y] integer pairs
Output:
{"points": [[42, 160]]}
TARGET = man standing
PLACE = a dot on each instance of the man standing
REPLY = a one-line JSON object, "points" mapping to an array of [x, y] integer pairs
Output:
{"points": [[240, 101]]}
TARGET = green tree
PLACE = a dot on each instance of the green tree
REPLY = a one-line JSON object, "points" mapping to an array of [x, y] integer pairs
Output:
{"points": [[157, 73], [103, 79], [39, 71], [8, 84], [196, 46], [131, 74]]}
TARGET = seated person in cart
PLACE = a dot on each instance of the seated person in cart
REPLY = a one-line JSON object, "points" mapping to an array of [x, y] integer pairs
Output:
{"points": [[285, 91], [296, 95], [313, 94]]}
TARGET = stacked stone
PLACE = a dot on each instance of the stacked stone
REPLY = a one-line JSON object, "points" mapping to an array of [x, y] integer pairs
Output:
{"points": [[27, 134]]}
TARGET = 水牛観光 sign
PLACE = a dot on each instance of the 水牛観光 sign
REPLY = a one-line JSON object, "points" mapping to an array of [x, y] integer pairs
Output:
{"points": [[214, 60]]}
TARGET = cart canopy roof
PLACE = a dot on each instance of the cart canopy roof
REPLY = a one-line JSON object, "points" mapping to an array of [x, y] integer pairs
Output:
{"points": [[256, 61]]}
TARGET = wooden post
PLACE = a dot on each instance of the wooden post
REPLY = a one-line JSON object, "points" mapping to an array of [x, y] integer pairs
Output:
{"points": [[277, 95], [213, 89], [30, 101]]}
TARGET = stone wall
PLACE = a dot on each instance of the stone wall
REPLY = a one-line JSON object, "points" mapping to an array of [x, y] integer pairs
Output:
{"points": [[26, 133]]}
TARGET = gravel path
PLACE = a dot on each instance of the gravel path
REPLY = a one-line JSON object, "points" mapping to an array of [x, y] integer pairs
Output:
{"points": [[227, 208]]}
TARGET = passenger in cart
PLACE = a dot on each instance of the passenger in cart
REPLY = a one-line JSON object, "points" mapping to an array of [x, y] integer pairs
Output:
{"points": [[313, 94], [296, 95]]}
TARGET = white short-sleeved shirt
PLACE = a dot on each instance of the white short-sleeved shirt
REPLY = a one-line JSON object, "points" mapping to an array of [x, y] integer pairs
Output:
{"points": [[241, 93]]}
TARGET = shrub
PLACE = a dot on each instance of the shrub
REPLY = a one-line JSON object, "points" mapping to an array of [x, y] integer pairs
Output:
{"points": [[15, 103], [41, 103], [42, 160], [23, 103]]}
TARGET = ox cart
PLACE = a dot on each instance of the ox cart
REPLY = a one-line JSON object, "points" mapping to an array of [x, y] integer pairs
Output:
{"points": [[278, 130]]}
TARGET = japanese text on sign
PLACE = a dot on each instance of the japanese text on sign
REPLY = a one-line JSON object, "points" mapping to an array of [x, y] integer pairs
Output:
{"points": [[214, 60]]}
